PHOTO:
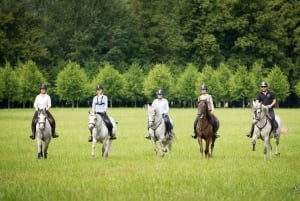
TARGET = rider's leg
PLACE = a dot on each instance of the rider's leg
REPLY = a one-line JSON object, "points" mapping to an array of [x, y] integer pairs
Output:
{"points": [[215, 126], [108, 125], [169, 126], [273, 121], [52, 123], [195, 124], [251, 131], [33, 125]]}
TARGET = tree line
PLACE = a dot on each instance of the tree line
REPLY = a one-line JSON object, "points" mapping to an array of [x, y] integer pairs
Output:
{"points": [[95, 34], [134, 88]]}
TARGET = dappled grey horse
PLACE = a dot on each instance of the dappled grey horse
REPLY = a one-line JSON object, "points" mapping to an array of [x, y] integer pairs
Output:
{"points": [[100, 133], [43, 134], [263, 129], [157, 131]]}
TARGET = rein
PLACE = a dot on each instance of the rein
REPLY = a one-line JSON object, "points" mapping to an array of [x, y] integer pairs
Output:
{"points": [[264, 125]]}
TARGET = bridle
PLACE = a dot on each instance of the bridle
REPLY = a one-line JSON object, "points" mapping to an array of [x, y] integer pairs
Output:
{"points": [[258, 117], [154, 124], [202, 112]]}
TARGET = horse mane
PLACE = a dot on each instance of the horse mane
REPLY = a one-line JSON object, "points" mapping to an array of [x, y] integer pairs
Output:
{"points": [[209, 116]]}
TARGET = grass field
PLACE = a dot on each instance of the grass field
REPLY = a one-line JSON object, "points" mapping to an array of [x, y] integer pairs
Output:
{"points": [[133, 173]]}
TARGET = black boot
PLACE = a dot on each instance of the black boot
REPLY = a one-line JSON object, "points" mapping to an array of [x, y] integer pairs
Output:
{"points": [[90, 139], [54, 135], [251, 132], [112, 136], [32, 136], [148, 137]]}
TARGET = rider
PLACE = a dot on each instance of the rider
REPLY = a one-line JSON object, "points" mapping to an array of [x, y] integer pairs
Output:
{"points": [[42, 101], [205, 96], [268, 99], [163, 106], [99, 106]]}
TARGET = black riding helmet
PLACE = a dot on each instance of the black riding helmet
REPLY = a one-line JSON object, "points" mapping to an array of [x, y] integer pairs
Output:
{"points": [[98, 87], [203, 87], [43, 86], [160, 92], [263, 84]]}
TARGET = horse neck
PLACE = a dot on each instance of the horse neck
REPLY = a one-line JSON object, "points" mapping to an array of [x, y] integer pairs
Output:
{"points": [[263, 120]]}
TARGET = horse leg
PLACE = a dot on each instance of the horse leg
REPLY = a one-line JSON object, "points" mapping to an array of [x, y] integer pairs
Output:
{"points": [[201, 146], [277, 146], [212, 147], [207, 148], [154, 146], [162, 149], [40, 152], [93, 148], [266, 146]]}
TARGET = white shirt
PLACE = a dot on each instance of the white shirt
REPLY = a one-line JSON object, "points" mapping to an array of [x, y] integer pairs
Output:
{"points": [[42, 101], [99, 103], [209, 100], [162, 105]]}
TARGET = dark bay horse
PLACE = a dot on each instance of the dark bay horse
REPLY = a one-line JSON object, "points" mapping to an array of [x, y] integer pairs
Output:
{"points": [[204, 129]]}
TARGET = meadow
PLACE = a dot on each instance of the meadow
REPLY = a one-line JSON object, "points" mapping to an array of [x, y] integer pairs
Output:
{"points": [[132, 172]]}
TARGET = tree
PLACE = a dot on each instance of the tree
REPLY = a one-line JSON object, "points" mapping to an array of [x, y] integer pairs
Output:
{"points": [[221, 78], [29, 80], [240, 89], [158, 78], [20, 33], [71, 84], [186, 84], [112, 81], [278, 83], [134, 78], [10, 82]]}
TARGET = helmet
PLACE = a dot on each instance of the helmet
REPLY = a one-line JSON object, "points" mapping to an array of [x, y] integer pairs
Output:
{"points": [[203, 87], [98, 87], [160, 92], [43, 86], [263, 84]]}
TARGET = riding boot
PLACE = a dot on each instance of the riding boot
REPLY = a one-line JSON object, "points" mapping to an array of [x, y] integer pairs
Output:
{"points": [[195, 124], [274, 128], [251, 131], [33, 124], [112, 136], [54, 134], [148, 137]]}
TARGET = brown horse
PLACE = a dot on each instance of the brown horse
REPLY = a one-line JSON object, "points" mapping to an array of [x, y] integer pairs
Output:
{"points": [[204, 128]]}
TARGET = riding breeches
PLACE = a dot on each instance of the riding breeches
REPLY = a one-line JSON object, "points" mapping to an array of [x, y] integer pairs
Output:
{"points": [[168, 123], [107, 121]]}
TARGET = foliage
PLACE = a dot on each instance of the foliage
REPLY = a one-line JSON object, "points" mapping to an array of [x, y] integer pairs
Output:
{"points": [[158, 78], [9, 83], [71, 84], [186, 84], [112, 81], [29, 80], [278, 83], [133, 88]]}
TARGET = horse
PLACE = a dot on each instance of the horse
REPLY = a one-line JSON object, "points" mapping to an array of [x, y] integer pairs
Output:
{"points": [[43, 133], [263, 129], [100, 133], [157, 132], [204, 129]]}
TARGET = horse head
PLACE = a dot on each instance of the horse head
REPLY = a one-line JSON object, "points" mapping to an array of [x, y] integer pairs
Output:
{"points": [[202, 108], [42, 119], [92, 120], [259, 111]]}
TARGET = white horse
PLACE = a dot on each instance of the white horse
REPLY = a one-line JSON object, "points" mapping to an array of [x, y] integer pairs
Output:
{"points": [[100, 133], [43, 134], [263, 128], [157, 129]]}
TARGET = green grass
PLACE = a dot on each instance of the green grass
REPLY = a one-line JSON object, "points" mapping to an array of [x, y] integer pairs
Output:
{"points": [[133, 173]]}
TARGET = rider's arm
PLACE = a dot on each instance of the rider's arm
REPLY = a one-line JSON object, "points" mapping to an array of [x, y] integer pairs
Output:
{"points": [[49, 103], [272, 104], [211, 105]]}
